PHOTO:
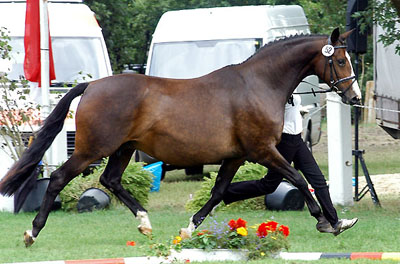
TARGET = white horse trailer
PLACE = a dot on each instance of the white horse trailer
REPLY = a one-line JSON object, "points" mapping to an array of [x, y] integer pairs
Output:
{"points": [[387, 84], [79, 50]]}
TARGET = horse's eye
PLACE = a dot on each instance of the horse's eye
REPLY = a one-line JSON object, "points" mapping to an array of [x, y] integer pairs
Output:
{"points": [[342, 62]]}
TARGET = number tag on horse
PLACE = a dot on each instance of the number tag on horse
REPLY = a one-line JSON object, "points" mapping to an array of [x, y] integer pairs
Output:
{"points": [[328, 50]]}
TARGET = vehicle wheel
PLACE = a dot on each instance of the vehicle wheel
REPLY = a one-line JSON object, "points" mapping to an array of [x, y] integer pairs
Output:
{"points": [[308, 140], [137, 156], [194, 170], [164, 170], [143, 157]]}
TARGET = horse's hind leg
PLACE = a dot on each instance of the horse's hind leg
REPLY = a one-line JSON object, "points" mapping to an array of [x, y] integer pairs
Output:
{"points": [[111, 179], [59, 178], [224, 178]]}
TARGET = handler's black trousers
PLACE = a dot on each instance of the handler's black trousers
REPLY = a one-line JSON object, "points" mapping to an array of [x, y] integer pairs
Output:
{"points": [[293, 149]]}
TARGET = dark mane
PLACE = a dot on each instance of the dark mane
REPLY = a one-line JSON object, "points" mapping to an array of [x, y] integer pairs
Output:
{"points": [[282, 40]]}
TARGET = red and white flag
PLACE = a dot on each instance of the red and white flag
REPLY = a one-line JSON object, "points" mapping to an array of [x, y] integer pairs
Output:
{"points": [[32, 66]]}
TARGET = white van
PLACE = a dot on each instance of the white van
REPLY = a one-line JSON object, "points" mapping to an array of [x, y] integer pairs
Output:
{"points": [[192, 43], [78, 50]]}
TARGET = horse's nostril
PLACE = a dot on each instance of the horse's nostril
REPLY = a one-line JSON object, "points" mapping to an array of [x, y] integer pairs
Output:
{"points": [[355, 101]]}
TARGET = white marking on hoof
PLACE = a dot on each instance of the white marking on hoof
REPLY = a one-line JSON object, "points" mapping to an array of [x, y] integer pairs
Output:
{"points": [[29, 238], [144, 226], [185, 233]]}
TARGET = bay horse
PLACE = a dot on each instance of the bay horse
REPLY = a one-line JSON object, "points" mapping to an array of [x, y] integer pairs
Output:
{"points": [[231, 115]]}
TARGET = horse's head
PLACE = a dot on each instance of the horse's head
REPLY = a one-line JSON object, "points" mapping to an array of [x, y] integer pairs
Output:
{"points": [[333, 65]]}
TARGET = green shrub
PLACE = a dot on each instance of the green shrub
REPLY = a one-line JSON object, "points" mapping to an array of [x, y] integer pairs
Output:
{"points": [[249, 171], [135, 180]]}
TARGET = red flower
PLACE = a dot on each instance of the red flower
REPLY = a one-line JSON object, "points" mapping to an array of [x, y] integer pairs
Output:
{"points": [[232, 224], [200, 233], [271, 226], [236, 224], [240, 223], [284, 229], [262, 230], [130, 243]]}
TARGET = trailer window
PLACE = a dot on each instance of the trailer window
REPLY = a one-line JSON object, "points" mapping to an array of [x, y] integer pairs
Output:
{"points": [[196, 58], [74, 58]]}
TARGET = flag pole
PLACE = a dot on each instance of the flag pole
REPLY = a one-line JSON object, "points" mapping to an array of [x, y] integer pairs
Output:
{"points": [[45, 77]]}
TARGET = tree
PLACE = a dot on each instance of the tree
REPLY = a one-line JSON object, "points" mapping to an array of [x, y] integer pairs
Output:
{"points": [[16, 112], [385, 14], [396, 4], [324, 16]]}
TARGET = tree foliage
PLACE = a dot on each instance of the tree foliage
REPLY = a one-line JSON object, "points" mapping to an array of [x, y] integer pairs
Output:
{"points": [[324, 16], [17, 113], [386, 15]]}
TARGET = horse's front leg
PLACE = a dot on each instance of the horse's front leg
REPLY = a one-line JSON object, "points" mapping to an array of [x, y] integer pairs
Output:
{"points": [[225, 175], [274, 160]]}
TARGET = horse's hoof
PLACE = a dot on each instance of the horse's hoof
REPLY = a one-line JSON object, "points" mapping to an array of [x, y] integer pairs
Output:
{"points": [[184, 233], [145, 230], [28, 238]]}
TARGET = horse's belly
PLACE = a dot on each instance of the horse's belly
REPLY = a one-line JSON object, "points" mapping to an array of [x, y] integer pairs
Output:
{"points": [[190, 150]]}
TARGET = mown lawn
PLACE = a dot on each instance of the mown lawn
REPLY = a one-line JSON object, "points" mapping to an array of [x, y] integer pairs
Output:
{"points": [[381, 155], [103, 234]]}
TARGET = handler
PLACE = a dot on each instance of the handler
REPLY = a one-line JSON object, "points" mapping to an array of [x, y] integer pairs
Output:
{"points": [[293, 149]]}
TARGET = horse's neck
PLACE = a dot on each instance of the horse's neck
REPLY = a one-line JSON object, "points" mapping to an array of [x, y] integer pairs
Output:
{"points": [[282, 67]]}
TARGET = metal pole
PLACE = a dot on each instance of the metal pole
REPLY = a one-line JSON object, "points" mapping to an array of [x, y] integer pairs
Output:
{"points": [[44, 64], [356, 117]]}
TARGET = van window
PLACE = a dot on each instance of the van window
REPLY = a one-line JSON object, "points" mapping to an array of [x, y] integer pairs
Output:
{"points": [[196, 58], [71, 56]]}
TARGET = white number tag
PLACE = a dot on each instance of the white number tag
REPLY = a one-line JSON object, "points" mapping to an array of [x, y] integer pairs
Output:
{"points": [[328, 50]]}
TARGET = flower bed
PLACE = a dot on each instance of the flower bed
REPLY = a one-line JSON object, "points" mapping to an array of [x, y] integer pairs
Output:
{"points": [[260, 240]]}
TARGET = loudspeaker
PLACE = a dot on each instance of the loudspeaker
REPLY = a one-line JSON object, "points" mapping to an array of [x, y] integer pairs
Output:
{"points": [[357, 41], [286, 197], [93, 198], [35, 197]]}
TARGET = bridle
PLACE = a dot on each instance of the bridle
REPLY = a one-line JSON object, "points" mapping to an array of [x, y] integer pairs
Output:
{"points": [[333, 85]]}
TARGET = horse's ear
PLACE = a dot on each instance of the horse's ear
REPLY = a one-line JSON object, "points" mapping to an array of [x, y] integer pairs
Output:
{"points": [[334, 36], [345, 35]]}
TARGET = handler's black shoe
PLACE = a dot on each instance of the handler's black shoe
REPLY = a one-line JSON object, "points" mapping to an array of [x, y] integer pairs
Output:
{"points": [[324, 226], [343, 225]]}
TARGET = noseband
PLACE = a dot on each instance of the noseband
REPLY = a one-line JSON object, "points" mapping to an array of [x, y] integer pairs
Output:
{"points": [[333, 85]]}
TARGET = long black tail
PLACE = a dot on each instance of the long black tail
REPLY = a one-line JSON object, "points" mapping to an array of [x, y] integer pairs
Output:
{"points": [[53, 124]]}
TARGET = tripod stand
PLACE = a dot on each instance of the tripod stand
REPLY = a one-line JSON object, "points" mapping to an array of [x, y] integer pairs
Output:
{"points": [[358, 156]]}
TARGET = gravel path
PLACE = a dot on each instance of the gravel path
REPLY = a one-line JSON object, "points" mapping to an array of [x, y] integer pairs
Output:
{"points": [[373, 138], [384, 184]]}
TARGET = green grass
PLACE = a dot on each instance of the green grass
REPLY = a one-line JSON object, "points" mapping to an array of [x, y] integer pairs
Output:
{"points": [[381, 150], [103, 234]]}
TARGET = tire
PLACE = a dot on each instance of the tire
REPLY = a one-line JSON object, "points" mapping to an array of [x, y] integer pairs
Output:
{"points": [[194, 170], [137, 156], [143, 157]]}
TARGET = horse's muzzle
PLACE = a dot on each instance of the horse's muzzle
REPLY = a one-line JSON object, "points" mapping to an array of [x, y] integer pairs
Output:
{"points": [[352, 101]]}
